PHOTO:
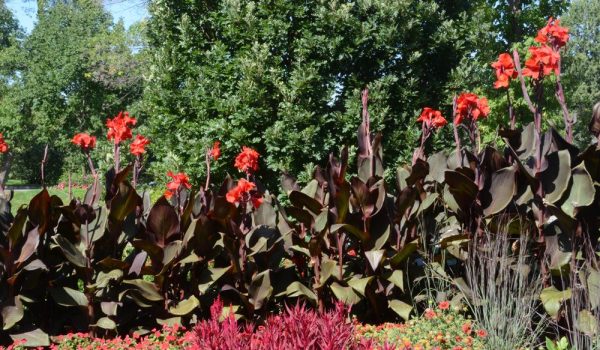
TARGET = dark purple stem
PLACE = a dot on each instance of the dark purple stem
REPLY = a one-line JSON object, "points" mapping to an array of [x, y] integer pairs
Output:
{"points": [[560, 96]]}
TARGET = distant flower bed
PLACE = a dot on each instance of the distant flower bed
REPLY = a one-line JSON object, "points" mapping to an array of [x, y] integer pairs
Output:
{"points": [[169, 337]]}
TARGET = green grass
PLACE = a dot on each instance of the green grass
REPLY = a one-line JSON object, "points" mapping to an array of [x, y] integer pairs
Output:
{"points": [[23, 197], [15, 182]]}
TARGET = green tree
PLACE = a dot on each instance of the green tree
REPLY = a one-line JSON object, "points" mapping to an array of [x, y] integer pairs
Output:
{"points": [[582, 63], [76, 68], [10, 34], [285, 76]]}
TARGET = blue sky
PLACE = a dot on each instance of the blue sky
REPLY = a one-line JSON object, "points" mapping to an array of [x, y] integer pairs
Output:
{"points": [[130, 11]]}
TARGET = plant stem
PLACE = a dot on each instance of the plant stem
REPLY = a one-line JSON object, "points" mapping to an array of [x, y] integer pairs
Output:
{"points": [[116, 153], [560, 96], [511, 112], [207, 171], [456, 137]]}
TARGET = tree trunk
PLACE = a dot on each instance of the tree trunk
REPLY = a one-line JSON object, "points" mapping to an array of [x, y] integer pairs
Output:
{"points": [[5, 169]]}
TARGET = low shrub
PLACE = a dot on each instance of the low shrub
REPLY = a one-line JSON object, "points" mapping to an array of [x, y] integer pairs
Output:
{"points": [[438, 328]]}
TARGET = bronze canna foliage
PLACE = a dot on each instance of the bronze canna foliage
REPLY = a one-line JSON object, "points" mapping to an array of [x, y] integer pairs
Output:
{"points": [[123, 264]]}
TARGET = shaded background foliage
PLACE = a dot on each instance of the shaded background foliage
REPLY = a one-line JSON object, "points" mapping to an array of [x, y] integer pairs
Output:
{"points": [[281, 76]]}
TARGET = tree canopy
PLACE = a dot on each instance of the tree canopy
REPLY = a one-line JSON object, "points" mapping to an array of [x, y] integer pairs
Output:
{"points": [[281, 76]]}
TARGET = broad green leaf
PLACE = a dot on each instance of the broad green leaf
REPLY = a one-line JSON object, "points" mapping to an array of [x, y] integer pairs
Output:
{"points": [[265, 215], [360, 234], [345, 294], [103, 278], [552, 298], [587, 323], [297, 289], [109, 308], [321, 220], [397, 278], [12, 314], [106, 323], [328, 268], [582, 191], [185, 306], [68, 297], [555, 179], [260, 289], [359, 284], [30, 246], [502, 190], [71, 252], [374, 257], [401, 308], [404, 253], [427, 202], [33, 338], [593, 285], [437, 166], [145, 288], [401, 175], [209, 276]]}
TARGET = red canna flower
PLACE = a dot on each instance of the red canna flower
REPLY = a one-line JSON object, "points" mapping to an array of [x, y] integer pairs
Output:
{"points": [[469, 105], [83, 140], [242, 192], [505, 70], [215, 151], [138, 146], [247, 160], [542, 61], [118, 127], [432, 118], [179, 180], [553, 34], [3, 144]]}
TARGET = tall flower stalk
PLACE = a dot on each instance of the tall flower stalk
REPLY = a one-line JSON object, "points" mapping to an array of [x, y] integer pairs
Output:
{"points": [[118, 131], [138, 148], [430, 120]]}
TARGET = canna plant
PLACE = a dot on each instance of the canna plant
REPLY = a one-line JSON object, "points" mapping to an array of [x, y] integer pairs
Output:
{"points": [[118, 263]]}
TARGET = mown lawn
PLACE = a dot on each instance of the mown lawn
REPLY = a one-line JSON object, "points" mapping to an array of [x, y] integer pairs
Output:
{"points": [[23, 197]]}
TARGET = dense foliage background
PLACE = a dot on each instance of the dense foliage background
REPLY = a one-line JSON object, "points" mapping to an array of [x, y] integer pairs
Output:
{"points": [[281, 76]]}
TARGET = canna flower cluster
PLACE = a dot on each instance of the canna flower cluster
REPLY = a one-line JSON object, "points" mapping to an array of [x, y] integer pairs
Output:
{"points": [[119, 128], [215, 151], [431, 118], [545, 59], [179, 181], [553, 34], [84, 141], [470, 107], [505, 70], [247, 160], [542, 61], [3, 144], [138, 146], [244, 191]]}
